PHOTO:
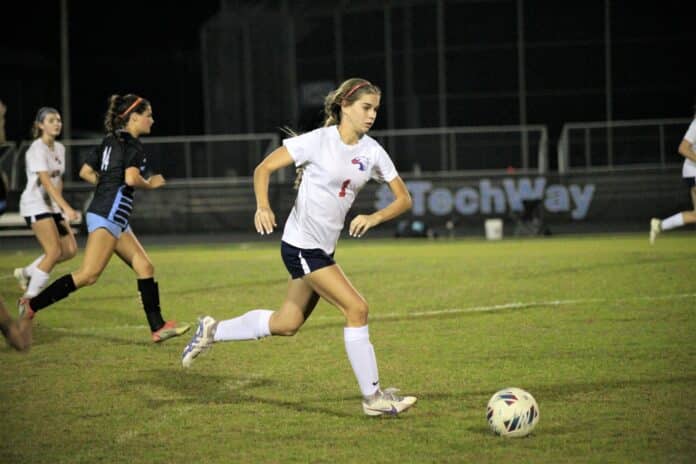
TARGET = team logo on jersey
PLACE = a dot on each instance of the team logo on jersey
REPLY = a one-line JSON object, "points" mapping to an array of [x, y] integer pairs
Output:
{"points": [[361, 161]]}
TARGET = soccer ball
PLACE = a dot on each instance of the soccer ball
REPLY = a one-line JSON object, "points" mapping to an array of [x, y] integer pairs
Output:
{"points": [[512, 412]]}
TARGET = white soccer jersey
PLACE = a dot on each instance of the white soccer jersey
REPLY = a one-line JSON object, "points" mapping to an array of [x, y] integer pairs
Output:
{"points": [[39, 158], [333, 175], [689, 167]]}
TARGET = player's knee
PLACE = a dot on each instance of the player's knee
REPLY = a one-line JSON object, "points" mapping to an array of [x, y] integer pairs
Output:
{"points": [[357, 313], [85, 278], [53, 254], [91, 279], [286, 331], [143, 267], [285, 328], [69, 252]]}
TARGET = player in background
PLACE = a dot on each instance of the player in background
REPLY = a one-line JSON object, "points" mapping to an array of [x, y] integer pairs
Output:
{"points": [[335, 162], [687, 148], [115, 168], [42, 204]]}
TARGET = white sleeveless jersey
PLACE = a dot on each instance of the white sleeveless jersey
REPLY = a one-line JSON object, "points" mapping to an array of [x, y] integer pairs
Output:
{"points": [[333, 175], [689, 167], [39, 158]]}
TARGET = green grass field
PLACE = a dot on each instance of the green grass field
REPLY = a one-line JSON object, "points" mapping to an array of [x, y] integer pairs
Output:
{"points": [[600, 329]]}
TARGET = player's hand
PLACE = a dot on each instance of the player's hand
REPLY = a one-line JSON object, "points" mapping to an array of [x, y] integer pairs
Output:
{"points": [[71, 215], [361, 224], [157, 181], [264, 221]]}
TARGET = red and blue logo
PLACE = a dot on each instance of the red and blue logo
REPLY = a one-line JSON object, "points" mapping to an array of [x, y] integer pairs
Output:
{"points": [[361, 161]]}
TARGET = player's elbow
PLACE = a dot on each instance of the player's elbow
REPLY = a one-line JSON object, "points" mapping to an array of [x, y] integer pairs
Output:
{"points": [[86, 173], [261, 171], [685, 148], [131, 180], [406, 202]]}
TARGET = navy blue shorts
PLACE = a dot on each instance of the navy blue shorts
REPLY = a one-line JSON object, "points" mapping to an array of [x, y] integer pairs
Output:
{"points": [[689, 181], [300, 262], [57, 218]]}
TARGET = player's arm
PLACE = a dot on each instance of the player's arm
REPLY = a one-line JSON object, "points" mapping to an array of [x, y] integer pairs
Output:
{"points": [[686, 149], [55, 194], [88, 174], [135, 180], [402, 203], [264, 219]]}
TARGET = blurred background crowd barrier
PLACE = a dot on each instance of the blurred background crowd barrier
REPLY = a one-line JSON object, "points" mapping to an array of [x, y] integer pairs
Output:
{"points": [[608, 177]]}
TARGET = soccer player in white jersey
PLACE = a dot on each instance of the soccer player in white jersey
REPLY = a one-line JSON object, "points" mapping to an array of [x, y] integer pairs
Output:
{"points": [[42, 203], [687, 148], [335, 162]]}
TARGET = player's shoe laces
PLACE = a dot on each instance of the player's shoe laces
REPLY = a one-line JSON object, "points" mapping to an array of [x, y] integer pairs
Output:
{"points": [[24, 309], [169, 330], [201, 342], [22, 280], [655, 229], [388, 403]]}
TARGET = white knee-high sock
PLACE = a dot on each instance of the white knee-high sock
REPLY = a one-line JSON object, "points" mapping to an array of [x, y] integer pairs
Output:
{"points": [[249, 326], [362, 358], [37, 283], [672, 222], [30, 268]]}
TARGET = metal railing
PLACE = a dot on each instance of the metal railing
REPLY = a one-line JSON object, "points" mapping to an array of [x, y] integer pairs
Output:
{"points": [[481, 148], [629, 143], [441, 149], [197, 156]]}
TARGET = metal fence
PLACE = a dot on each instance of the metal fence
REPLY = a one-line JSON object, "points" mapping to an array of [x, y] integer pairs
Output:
{"points": [[466, 148], [620, 144], [181, 157], [443, 149]]}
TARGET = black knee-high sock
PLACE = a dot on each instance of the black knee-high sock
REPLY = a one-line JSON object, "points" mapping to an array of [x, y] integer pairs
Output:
{"points": [[58, 290], [149, 296]]}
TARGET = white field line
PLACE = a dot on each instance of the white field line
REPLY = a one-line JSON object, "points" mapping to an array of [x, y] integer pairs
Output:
{"points": [[417, 314]]}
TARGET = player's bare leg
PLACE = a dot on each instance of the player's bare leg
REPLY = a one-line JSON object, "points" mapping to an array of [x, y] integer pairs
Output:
{"points": [[300, 301], [333, 285]]}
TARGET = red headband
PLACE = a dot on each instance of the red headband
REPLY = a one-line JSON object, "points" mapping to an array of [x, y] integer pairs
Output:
{"points": [[130, 108], [356, 87]]}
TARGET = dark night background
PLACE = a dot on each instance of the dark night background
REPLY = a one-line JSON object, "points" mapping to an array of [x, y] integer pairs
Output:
{"points": [[154, 49], [148, 48]]}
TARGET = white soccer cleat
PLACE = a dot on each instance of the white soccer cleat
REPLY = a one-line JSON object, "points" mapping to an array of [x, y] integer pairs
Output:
{"points": [[202, 340], [655, 229], [388, 403], [22, 280]]}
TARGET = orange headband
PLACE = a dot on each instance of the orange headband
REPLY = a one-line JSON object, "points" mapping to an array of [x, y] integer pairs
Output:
{"points": [[130, 108], [356, 87]]}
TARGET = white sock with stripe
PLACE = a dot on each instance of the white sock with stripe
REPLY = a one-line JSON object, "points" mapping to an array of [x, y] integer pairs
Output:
{"points": [[249, 326], [362, 358]]}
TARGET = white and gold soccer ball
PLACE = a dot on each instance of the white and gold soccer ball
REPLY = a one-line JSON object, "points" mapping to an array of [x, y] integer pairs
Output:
{"points": [[512, 412]]}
